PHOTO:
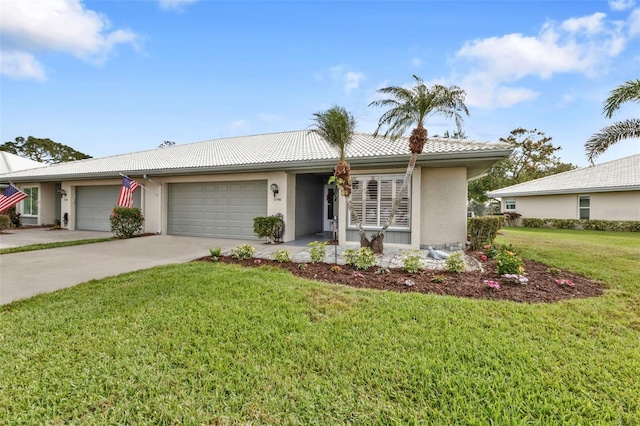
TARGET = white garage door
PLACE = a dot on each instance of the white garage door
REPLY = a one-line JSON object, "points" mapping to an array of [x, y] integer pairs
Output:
{"points": [[94, 205], [216, 209]]}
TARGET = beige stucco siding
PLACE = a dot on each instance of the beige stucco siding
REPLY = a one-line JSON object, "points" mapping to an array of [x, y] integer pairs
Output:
{"points": [[546, 207], [443, 206], [604, 206], [615, 205]]}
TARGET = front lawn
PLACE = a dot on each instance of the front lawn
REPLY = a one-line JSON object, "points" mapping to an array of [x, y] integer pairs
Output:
{"points": [[204, 343]]}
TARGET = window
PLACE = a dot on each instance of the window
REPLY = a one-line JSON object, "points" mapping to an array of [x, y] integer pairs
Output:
{"points": [[584, 206], [30, 204], [510, 204], [372, 199]]}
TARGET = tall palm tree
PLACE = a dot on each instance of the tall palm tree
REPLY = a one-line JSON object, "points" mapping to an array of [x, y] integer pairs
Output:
{"points": [[626, 129], [410, 107], [337, 126]]}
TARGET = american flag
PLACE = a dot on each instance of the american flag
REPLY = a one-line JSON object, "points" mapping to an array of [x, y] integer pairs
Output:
{"points": [[126, 192], [11, 196]]}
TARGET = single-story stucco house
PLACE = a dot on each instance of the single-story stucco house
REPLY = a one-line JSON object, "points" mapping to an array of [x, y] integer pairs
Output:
{"points": [[215, 188], [607, 191]]}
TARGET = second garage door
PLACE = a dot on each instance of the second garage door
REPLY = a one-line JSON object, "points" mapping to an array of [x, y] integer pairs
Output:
{"points": [[216, 209]]}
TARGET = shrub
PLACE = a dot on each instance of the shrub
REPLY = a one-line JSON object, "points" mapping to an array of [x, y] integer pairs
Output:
{"points": [[439, 279], [363, 258], [14, 217], [491, 250], [382, 270], [483, 230], [602, 225], [631, 226], [533, 222], [281, 256], [455, 263], [126, 222], [564, 223], [317, 251], [5, 222], [511, 218], [215, 254], [508, 262], [266, 226], [411, 261], [244, 251]]}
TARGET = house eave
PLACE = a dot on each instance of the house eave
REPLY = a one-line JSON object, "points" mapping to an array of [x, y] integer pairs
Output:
{"points": [[441, 159], [564, 191]]}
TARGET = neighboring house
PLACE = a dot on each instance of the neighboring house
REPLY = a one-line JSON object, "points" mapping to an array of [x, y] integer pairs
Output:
{"points": [[13, 163], [215, 188], [607, 191]]}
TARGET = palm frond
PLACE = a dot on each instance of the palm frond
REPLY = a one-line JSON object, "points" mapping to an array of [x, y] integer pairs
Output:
{"points": [[600, 142], [336, 126], [628, 92], [409, 107]]}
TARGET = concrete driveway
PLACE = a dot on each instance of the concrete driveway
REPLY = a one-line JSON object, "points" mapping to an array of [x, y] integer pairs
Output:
{"points": [[26, 274]]}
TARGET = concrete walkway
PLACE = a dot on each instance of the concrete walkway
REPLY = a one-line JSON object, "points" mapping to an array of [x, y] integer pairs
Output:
{"points": [[26, 274]]}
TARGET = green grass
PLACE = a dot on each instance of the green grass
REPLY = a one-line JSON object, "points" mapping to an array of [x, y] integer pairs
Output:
{"points": [[203, 343], [44, 246]]}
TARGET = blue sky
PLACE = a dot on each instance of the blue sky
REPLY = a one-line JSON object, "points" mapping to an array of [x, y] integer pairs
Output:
{"points": [[110, 77]]}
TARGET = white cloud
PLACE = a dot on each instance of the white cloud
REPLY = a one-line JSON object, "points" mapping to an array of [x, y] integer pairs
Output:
{"points": [[349, 79], [61, 25], [578, 45], [620, 5], [634, 23], [416, 62], [508, 96], [20, 65], [352, 80], [590, 24], [175, 4]]}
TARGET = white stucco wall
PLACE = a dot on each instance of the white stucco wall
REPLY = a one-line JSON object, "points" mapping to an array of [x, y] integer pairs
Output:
{"points": [[604, 206], [443, 206], [615, 205]]}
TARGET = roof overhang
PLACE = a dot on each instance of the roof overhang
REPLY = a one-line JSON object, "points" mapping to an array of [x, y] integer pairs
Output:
{"points": [[476, 163], [564, 191]]}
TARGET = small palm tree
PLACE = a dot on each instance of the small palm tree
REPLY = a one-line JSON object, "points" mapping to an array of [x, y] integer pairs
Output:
{"points": [[627, 129], [410, 107], [337, 126]]}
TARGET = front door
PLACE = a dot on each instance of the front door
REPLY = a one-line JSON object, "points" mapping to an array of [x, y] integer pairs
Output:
{"points": [[330, 207]]}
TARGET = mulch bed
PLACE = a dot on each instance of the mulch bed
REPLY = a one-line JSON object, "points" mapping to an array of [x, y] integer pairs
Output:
{"points": [[541, 288]]}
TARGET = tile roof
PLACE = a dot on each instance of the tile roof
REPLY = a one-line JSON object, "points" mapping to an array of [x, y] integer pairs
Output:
{"points": [[287, 149], [618, 175]]}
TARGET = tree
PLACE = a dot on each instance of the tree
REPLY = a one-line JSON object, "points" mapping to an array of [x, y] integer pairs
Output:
{"points": [[411, 107], [337, 126], [533, 157], [42, 150], [166, 144], [626, 129]]}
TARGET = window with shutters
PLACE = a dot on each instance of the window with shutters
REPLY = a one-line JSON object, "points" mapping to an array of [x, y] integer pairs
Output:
{"points": [[372, 198]]}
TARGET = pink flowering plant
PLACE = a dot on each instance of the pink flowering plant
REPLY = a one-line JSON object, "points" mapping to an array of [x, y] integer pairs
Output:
{"points": [[562, 282], [492, 284]]}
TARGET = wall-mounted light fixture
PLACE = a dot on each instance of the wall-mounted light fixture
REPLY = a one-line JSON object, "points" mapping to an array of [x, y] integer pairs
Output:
{"points": [[274, 188], [62, 193]]}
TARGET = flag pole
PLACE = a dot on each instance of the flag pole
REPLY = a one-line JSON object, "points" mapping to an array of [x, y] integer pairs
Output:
{"points": [[132, 179]]}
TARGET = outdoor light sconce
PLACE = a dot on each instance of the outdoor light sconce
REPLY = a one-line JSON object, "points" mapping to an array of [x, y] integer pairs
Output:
{"points": [[274, 188], [62, 192]]}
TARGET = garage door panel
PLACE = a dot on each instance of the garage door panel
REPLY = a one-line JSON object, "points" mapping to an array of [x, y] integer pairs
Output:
{"points": [[94, 205], [216, 209]]}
